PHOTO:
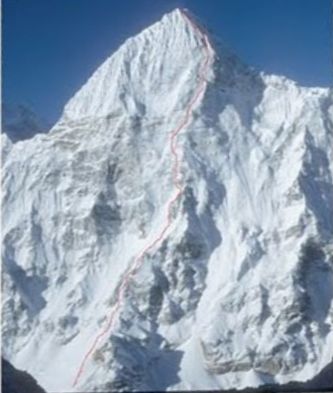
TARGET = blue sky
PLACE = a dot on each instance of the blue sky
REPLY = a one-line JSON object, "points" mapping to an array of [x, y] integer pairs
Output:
{"points": [[50, 47]]}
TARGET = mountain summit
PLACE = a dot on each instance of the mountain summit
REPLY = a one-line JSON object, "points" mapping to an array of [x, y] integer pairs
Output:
{"points": [[145, 75], [174, 228]]}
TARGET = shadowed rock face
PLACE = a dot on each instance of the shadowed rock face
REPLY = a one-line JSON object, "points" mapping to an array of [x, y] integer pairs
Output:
{"points": [[17, 381], [324, 380]]}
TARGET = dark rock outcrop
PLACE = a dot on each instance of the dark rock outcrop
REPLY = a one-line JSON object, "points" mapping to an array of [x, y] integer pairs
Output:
{"points": [[17, 381]]}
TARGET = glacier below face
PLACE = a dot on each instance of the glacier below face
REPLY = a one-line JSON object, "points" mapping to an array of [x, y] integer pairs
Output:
{"points": [[239, 293]]}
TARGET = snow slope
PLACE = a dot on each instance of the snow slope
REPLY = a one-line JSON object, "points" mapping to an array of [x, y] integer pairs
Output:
{"points": [[239, 292]]}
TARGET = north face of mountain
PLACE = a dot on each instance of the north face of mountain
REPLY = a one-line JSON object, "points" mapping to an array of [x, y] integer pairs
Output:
{"points": [[238, 292]]}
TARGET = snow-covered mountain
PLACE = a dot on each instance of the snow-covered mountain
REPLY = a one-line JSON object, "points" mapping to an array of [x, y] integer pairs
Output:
{"points": [[19, 122], [174, 228]]}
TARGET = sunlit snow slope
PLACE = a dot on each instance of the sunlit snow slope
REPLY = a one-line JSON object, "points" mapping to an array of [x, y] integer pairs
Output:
{"points": [[239, 292]]}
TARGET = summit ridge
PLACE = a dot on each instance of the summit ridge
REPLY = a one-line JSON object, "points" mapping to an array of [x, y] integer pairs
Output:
{"points": [[142, 68]]}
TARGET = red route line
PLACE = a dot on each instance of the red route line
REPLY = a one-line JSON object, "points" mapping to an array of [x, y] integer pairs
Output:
{"points": [[178, 185]]}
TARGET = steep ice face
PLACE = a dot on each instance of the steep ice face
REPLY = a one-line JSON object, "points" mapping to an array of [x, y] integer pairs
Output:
{"points": [[239, 292], [150, 75]]}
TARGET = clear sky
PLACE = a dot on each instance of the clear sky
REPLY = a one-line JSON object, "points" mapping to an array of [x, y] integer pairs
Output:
{"points": [[51, 47]]}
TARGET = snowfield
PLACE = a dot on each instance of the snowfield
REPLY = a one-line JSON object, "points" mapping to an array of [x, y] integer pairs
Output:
{"points": [[239, 293]]}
